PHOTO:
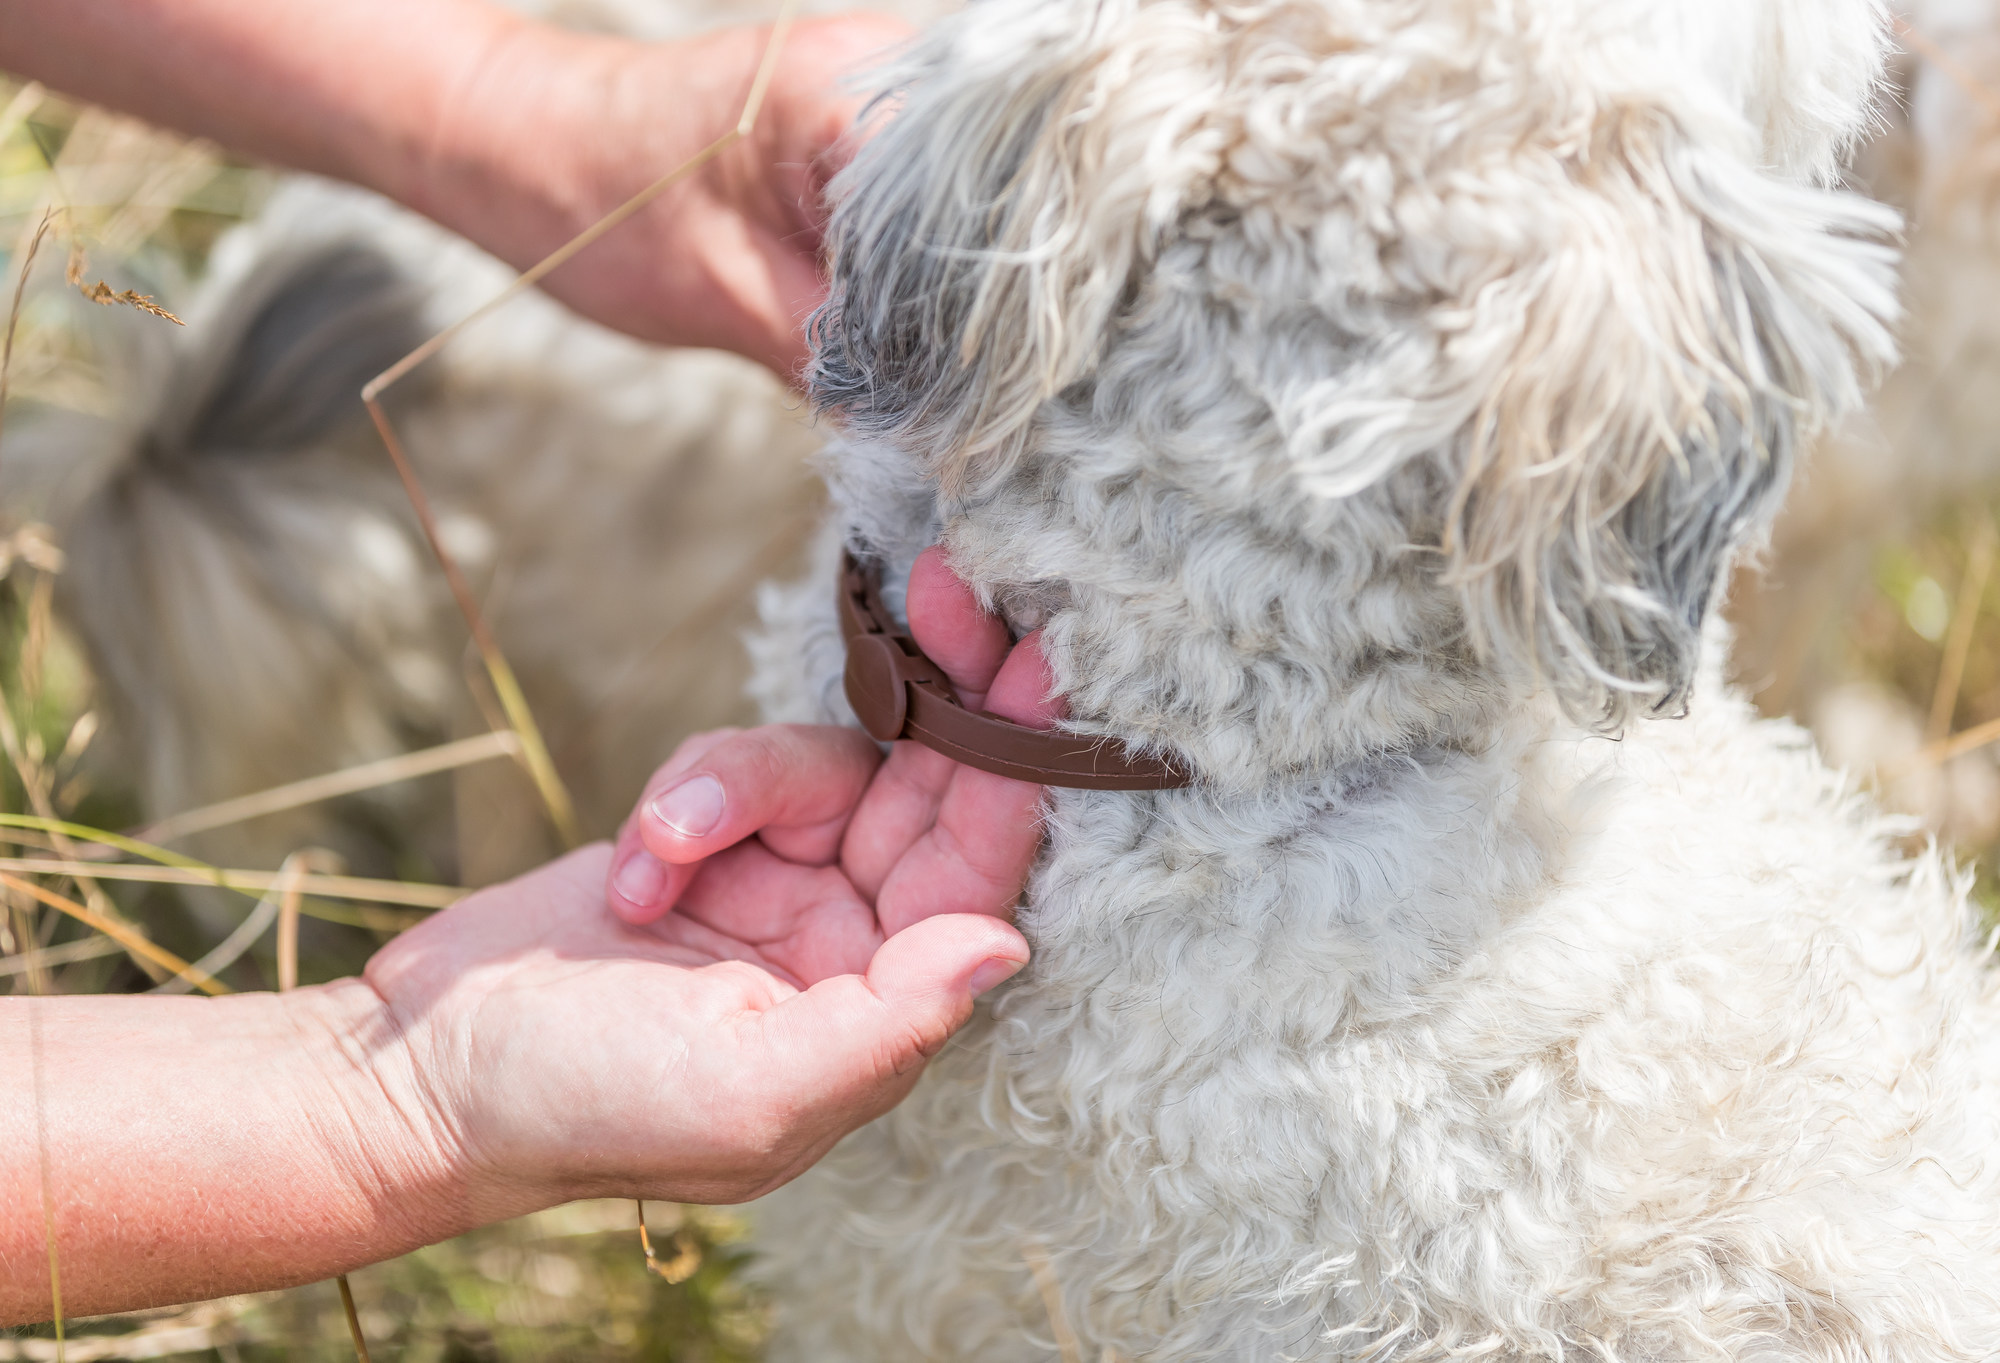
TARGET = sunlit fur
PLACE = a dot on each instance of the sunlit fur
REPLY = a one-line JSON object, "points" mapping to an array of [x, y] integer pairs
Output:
{"points": [[1366, 397]]}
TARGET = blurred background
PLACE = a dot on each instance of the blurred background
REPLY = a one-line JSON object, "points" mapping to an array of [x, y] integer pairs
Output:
{"points": [[221, 631]]}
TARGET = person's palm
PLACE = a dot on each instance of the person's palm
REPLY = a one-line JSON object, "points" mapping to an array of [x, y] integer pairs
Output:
{"points": [[783, 977]]}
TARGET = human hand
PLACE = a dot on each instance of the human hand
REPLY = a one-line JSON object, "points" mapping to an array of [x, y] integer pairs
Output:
{"points": [[862, 847], [777, 979], [554, 129]]}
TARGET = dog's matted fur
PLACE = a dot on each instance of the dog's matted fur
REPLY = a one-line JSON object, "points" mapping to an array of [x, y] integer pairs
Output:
{"points": [[1365, 396]]}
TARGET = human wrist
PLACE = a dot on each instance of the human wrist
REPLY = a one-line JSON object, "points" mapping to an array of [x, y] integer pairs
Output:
{"points": [[383, 1094]]}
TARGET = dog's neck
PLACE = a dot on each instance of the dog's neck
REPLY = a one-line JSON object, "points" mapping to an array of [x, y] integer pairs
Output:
{"points": [[1206, 631]]}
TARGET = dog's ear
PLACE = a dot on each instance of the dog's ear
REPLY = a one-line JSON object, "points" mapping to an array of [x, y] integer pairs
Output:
{"points": [[1639, 390], [985, 239]]}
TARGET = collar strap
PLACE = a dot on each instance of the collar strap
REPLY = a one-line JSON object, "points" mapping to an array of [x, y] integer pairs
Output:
{"points": [[897, 692]]}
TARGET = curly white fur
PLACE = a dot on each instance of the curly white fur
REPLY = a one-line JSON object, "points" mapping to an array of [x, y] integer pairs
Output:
{"points": [[1365, 396]]}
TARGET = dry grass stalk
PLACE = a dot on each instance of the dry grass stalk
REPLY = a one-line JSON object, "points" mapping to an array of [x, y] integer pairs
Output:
{"points": [[280, 904], [14, 311], [541, 767], [21, 107], [353, 1319], [1037, 1259], [1958, 643], [26, 941], [34, 650], [687, 1253], [288, 924], [409, 894], [1936, 754], [42, 958], [68, 953], [348, 781], [63, 828], [47, 1174], [1975, 89], [104, 294], [534, 750], [288, 979], [201, 873], [121, 933], [35, 780]]}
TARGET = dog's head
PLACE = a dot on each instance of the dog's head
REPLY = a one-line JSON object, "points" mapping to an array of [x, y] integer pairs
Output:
{"points": [[1508, 318]]}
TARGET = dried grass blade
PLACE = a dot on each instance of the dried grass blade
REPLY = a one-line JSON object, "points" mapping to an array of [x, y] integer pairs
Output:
{"points": [[548, 264], [85, 833], [67, 954], [23, 937], [34, 783], [1958, 745], [541, 767], [760, 84], [687, 1253], [120, 933], [1038, 1263], [288, 979], [103, 294], [288, 934], [46, 1172], [1975, 89], [21, 107], [409, 893], [229, 949], [534, 751], [353, 1319], [14, 311], [1964, 619], [349, 781]]}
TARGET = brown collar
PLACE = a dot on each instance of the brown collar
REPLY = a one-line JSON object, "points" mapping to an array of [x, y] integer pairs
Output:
{"points": [[897, 692]]}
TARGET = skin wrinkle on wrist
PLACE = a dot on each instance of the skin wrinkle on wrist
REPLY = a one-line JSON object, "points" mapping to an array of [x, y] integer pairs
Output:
{"points": [[396, 1143]]}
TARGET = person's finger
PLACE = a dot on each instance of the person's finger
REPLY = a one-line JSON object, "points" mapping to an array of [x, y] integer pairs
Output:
{"points": [[933, 836], [975, 855], [804, 921], [640, 887], [951, 629], [902, 803], [847, 1049], [1024, 689], [795, 785]]}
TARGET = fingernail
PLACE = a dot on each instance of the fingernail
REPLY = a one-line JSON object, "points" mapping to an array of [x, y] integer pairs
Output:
{"points": [[992, 972], [640, 879], [691, 808]]}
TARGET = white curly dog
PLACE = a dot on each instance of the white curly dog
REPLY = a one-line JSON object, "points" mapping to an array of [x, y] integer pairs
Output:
{"points": [[1364, 396]]}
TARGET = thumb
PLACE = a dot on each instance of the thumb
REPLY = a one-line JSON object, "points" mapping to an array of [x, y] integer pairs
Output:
{"points": [[926, 978], [867, 1036]]}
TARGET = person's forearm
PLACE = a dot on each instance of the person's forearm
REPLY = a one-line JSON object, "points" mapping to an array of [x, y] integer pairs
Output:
{"points": [[361, 89], [197, 1147]]}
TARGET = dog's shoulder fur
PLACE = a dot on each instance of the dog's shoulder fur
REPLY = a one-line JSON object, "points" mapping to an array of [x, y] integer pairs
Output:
{"points": [[1649, 1048]]}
